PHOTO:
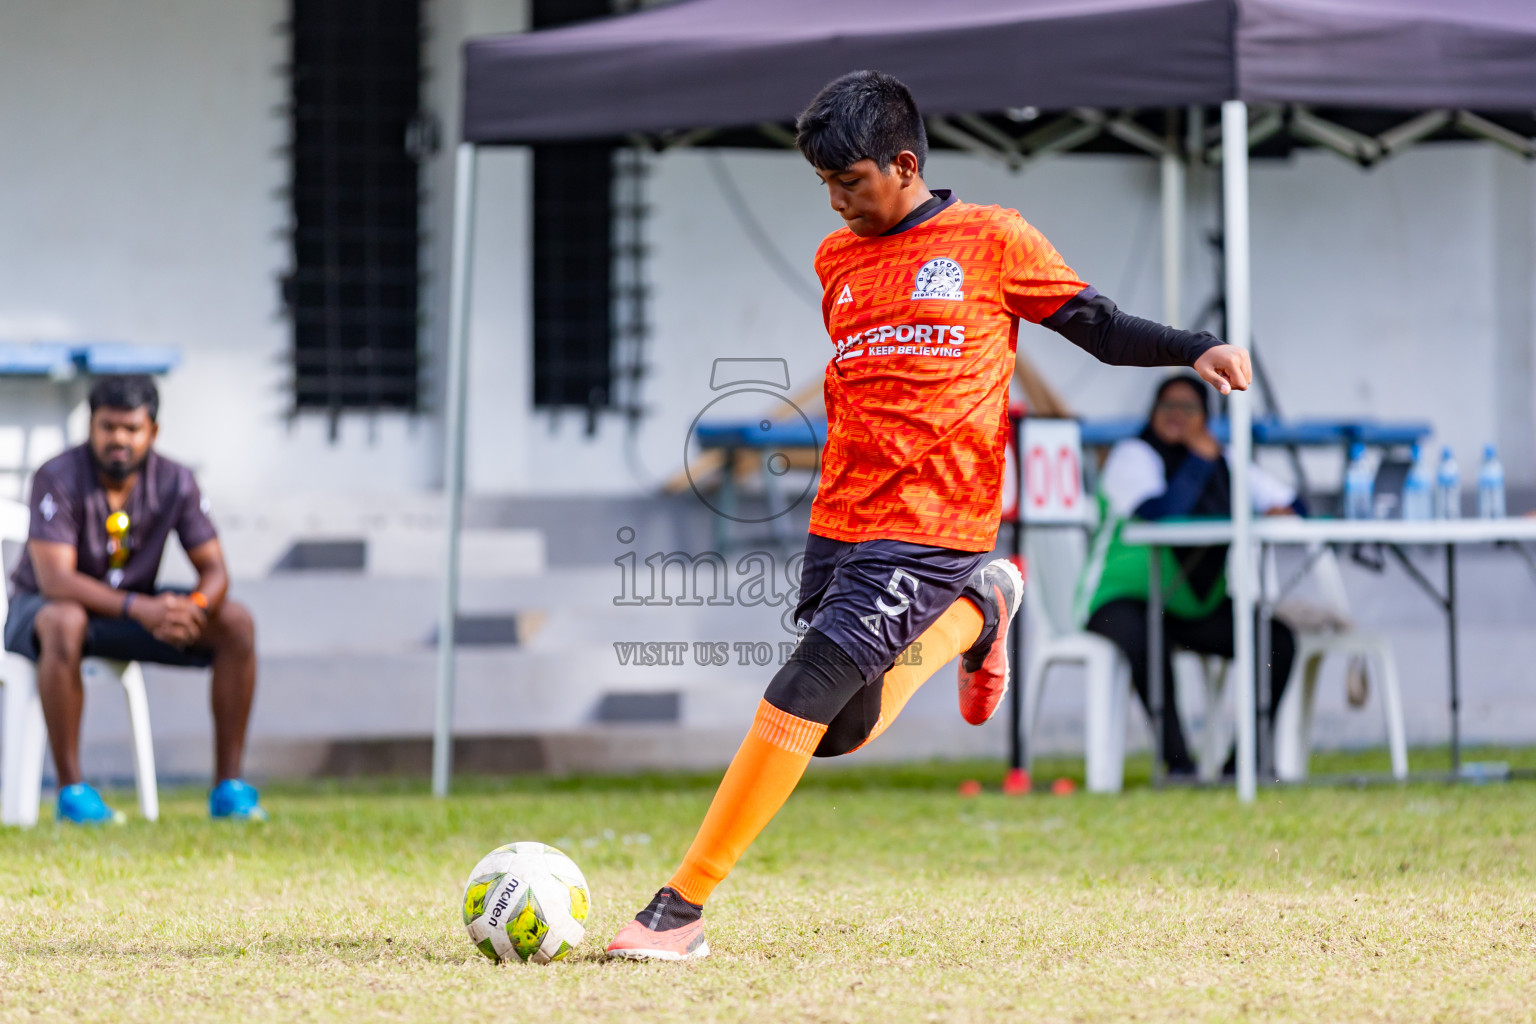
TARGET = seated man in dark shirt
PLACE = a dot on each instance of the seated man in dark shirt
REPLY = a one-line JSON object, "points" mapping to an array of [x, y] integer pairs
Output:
{"points": [[101, 514]]}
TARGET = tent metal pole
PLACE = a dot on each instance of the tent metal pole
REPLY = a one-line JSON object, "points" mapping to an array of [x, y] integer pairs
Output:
{"points": [[453, 458], [1173, 236], [1241, 563], [1173, 188]]}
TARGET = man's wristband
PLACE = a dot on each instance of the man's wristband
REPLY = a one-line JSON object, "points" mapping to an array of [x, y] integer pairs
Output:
{"points": [[199, 598], [127, 603]]}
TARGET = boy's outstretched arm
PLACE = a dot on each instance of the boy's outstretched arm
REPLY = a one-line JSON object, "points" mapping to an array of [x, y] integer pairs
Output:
{"points": [[1095, 324]]}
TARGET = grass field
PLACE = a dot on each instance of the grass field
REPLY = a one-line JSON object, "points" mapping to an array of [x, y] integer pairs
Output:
{"points": [[879, 894]]}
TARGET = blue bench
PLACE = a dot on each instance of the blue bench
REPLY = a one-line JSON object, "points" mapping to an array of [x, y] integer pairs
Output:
{"points": [[1269, 432], [35, 359], [790, 433], [60, 360], [1097, 433], [56, 374]]}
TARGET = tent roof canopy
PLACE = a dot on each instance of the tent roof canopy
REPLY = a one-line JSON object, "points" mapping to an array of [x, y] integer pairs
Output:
{"points": [[727, 65], [1397, 54], [722, 63]]}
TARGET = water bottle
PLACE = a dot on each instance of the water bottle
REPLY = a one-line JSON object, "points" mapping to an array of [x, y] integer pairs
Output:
{"points": [[1479, 772], [1359, 482], [1418, 501], [1490, 486], [1448, 487]]}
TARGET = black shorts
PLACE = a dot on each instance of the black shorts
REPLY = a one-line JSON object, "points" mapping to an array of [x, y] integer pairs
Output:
{"points": [[875, 597], [115, 639]]}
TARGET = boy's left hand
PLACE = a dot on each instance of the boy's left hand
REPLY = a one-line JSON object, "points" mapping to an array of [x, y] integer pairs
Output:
{"points": [[1226, 368]]}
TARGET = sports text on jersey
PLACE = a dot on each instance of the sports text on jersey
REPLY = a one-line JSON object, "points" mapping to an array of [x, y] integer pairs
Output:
{"points": [[906, 339]]}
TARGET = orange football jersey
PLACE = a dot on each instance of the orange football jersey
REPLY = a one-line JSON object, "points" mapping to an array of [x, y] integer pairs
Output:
{"points": [[924, 323]]}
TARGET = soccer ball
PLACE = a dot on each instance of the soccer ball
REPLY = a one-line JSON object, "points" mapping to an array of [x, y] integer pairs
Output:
{"points": [[526, 901]]}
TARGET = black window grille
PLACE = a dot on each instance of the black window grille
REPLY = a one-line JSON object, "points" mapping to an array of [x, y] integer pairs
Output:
{"points": [[588, 295], [354, 291], [572, 275]]}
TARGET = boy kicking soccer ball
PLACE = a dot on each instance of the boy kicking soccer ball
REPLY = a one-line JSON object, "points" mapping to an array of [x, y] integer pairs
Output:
{"points": [[922, 295]]}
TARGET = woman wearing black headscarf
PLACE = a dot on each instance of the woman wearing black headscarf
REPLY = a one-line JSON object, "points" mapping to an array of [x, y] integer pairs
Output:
{"points": [[1174, 469]]}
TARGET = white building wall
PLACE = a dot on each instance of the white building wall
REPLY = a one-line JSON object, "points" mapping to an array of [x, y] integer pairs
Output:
{"points": [[141, 197], [501, 342], [141, 190], [1377, 293], [1514, 285]]}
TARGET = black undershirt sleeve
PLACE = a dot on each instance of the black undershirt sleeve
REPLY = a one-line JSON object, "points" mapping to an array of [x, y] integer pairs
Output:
{"points": [[1096, 325]]}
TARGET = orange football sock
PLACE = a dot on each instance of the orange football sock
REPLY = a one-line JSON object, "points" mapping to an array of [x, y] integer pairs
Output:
{"points": [[955, 631], [765, 770]]}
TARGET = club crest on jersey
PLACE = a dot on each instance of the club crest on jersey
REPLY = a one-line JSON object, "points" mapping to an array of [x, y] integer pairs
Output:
{"points": [[940, 279]]}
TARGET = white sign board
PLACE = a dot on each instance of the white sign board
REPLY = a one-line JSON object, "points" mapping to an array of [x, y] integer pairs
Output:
{"points": [[1052, 458]]}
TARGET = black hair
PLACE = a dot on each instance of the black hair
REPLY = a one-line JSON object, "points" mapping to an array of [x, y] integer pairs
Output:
{"points": [[865, 115], [127, 391], [1202, 390]]}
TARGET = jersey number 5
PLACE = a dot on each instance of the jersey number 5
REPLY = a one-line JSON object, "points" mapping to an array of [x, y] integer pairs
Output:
{"points": [[903, 602]]}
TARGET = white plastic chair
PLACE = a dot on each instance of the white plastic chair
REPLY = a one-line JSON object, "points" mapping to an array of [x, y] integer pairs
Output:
{"points": [[1216, 736], [24, 742], [1055, 559], [1293, 718]]}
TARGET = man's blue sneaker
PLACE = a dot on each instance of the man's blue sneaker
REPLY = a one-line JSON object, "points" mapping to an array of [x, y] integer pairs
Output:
{"points": [[237, 801], [81, 805]]}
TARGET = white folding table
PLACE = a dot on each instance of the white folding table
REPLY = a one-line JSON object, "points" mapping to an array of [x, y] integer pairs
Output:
{"points": [[1392, 535]]}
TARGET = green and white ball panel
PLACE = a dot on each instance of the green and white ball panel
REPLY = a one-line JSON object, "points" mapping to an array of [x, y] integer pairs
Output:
{"points": [[475, 893], [526, 901], [490, 927]]}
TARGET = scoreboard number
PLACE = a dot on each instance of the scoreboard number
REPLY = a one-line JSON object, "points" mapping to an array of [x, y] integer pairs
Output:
{"points": [[1053, 471]]}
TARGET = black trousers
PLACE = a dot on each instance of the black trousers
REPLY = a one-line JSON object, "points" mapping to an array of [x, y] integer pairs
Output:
{"points": [[119, 639], [1124, 623]]}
